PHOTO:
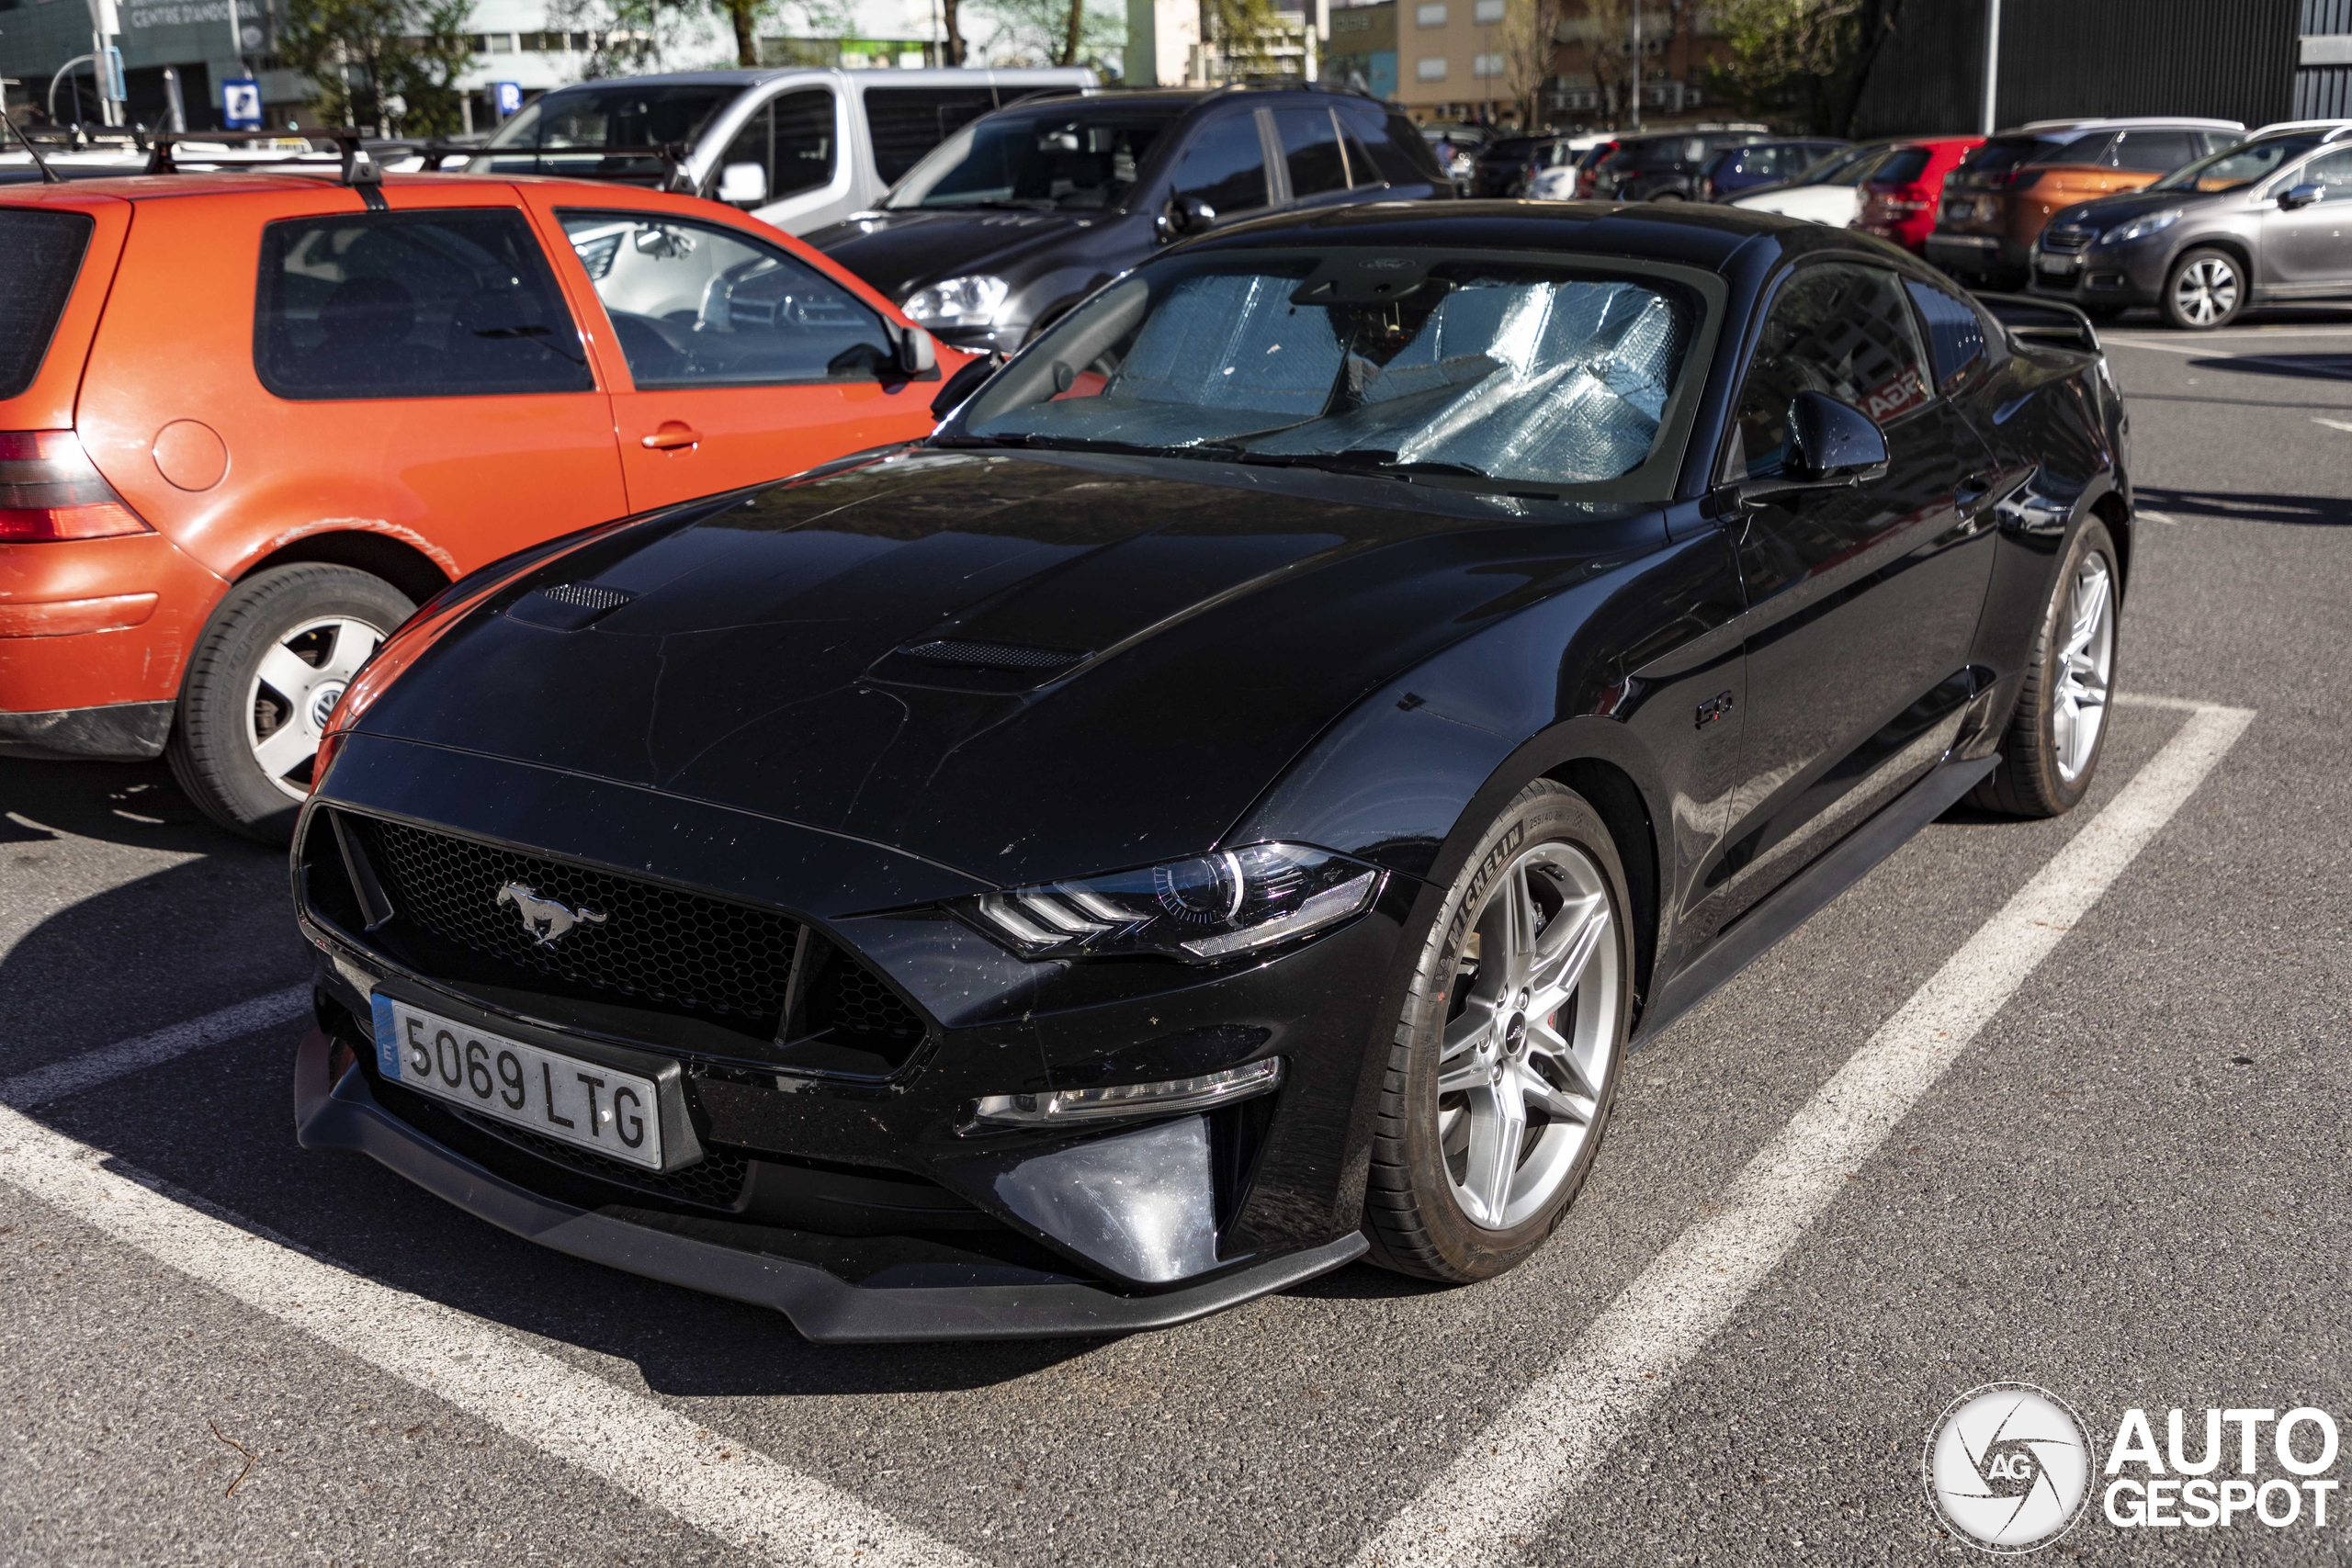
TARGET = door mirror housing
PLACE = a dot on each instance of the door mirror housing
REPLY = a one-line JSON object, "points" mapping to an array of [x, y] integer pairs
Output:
{"points": [[1185, 215], [1832, 445], [743, 185], [917, 353], [2301, 196]]}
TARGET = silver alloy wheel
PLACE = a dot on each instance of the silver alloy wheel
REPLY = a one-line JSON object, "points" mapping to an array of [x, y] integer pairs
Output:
{"points": [[301, 680], [1531, 1027], [2085, 661], [2206, 290]]}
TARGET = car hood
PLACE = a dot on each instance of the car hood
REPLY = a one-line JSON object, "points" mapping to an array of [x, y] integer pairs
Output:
{"points": [[1021, 669], [898, 253], [2124, 206]]}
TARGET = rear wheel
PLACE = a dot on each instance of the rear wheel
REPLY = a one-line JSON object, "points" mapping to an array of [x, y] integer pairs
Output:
{"points": [[2206, 289], [1503, 1069], [271, 665], [2059, 726]]}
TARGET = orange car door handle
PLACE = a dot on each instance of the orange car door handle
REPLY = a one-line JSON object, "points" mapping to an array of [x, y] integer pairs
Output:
{"points": [[672, 436]]}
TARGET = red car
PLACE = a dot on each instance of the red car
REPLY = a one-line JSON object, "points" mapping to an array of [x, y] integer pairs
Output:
{"points": [[1899, 198]]}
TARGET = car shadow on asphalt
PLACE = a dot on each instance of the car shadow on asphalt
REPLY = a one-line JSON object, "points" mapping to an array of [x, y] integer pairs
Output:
{"points": [[2334, 367], [2248, 506], [125, 803]]}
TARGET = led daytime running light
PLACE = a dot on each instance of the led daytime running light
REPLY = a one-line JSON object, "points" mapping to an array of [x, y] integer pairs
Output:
{"points": [[1070, 1105]]}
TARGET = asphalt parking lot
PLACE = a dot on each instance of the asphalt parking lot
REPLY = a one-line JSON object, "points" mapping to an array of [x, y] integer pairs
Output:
{"points": [[2057, 1102]]}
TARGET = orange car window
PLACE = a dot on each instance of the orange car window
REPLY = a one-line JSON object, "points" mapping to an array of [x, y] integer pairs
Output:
{"points": [[440, 304], [45, 256], [696, 305]]}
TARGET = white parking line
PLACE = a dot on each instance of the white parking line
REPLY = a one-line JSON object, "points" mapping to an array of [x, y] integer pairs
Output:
{"points": [[642, 1447], [92, 1069], [2332, 423], [1494, 1501]]}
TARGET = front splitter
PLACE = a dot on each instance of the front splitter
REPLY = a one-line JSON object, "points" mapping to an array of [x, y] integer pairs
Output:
{"points": [[822, 1306]]}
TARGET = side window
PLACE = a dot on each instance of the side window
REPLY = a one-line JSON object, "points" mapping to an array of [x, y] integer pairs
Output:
{"points": [[907, 122], [1311, 151], [456, 303], [1955, 333], [792, 138], [1226, 165], [694, 305], [2331, 174], [1837, 329], [2154, 151]]}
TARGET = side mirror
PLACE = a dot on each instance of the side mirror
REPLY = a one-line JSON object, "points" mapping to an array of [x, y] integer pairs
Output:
{"points": [[743, 185], [2301, 196], [964, 383], [917, 353], [1832, 445], [1185, 215], [1832, 442]]}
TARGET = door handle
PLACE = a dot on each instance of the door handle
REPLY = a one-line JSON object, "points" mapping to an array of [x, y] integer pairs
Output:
{"points": [[672, 435]]}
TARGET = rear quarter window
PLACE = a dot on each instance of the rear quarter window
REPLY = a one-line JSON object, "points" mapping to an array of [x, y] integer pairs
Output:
{"points": [[44, 255], [1901, 168], [434, 304]]}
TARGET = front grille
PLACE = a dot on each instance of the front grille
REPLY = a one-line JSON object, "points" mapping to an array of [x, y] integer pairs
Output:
{"points": [[714, 1181], [993, 655], [654, 943], [2066, 242]]}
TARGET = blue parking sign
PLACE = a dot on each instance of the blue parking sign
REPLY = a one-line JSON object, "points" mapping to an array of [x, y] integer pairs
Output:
{"points": [[240, 103], [506, 97]]}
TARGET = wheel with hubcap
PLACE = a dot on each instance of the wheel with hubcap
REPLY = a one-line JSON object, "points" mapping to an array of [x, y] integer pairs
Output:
{"points": [[1504, 1065], [2204, 291], [2059, 726], [270, 666]]}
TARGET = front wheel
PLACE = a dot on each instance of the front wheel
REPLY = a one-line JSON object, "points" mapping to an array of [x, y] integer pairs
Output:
{"points": [[2059, 726], [1502, 1069], [270, 666], [2205, 290]]}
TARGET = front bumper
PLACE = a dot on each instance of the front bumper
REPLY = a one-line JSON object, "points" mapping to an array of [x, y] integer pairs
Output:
{"points": [[345, 1114], [2109, 277], [1974, 256]]}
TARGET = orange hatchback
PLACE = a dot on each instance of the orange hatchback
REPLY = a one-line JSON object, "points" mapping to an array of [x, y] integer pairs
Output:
{"points": [[249, 421]]}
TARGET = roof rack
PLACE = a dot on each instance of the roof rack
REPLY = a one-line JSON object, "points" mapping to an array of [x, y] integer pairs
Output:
{"points": [[673, 156], [358, 167]]}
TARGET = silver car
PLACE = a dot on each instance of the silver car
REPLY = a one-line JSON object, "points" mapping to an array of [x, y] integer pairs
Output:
{"points": [[2262, 222]]}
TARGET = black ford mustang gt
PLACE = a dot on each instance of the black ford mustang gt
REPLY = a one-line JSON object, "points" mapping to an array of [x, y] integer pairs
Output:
{"points": [[1229, 801]]}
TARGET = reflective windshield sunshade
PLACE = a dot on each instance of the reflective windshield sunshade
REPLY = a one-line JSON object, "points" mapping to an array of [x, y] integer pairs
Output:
{"points": [[1197, 911]]}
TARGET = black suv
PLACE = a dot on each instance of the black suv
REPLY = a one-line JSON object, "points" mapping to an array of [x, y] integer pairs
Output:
{"points": [[1022, 213], [1663, 168]]}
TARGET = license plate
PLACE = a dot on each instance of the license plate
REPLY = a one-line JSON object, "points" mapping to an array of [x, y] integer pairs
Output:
{"points": [[583, 1103], [2060, 264]]}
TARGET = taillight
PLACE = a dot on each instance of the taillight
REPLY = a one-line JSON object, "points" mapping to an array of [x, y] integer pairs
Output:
{"points": [[50, 490]]}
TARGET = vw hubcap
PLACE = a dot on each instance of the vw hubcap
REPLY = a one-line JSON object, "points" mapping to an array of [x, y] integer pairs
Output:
{"points": [[1530, 1028], [301, 678], [2085, 661], [2206, 292]]}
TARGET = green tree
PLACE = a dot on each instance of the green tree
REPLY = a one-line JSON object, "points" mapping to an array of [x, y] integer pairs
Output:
{"points": [[1803, 63], [382, 65], [1056, 32]]}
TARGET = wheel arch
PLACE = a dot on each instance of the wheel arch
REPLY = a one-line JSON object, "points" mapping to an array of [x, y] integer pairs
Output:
{"points": [[1611, 791], [405, 565], [2235, 246]]}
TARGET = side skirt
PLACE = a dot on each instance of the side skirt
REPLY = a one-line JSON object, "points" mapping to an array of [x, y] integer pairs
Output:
{"points": [[1797, 900]]}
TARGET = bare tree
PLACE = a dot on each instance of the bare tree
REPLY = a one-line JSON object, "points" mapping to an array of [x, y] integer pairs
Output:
{"points": [[1530, 45]]}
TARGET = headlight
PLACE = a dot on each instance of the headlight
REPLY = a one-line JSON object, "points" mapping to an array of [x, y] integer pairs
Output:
{"points": [[2141, 228], [1197, 910], [959, 301]]}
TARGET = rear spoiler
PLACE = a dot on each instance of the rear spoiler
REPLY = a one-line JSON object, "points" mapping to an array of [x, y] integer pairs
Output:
{"points": [[2032, 320]]}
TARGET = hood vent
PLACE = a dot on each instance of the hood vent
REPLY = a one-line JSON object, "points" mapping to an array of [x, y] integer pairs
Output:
{"points": [[1022, 656], [568, 607]]}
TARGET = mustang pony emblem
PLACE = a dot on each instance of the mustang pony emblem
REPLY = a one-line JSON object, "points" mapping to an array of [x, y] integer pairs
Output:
{"points": [[546, 919]]}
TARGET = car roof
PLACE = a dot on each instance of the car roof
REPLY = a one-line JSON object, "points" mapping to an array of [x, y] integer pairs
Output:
{"points": [[2052, 130], [320, 176], [936, 78], [1693, 234]]}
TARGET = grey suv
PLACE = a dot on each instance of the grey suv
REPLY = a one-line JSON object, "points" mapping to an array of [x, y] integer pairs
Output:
{"points": [[2265, 221]]}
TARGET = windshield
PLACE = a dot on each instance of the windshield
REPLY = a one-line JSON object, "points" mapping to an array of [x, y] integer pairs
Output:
{"points": [[2240, 166], [2001, 153], [1071, 159], [1404, 364], [620, 115], [1850, 170]]}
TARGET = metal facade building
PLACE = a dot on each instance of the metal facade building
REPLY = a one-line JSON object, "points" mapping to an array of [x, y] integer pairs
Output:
{"points": [[2233, 59]]}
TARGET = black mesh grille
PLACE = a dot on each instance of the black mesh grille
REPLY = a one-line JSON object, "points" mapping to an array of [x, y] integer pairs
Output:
{"points": [[2067, 240], [993, 655], [653, 942], [715, 1181], [849, 1000], [588, 595]]}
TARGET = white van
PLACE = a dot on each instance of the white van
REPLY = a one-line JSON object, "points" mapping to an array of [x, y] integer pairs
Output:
{"points": [[797, 148]]}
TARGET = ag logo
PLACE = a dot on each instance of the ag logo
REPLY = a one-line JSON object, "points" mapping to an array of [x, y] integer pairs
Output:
{"points": [[2007, 1467]]}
